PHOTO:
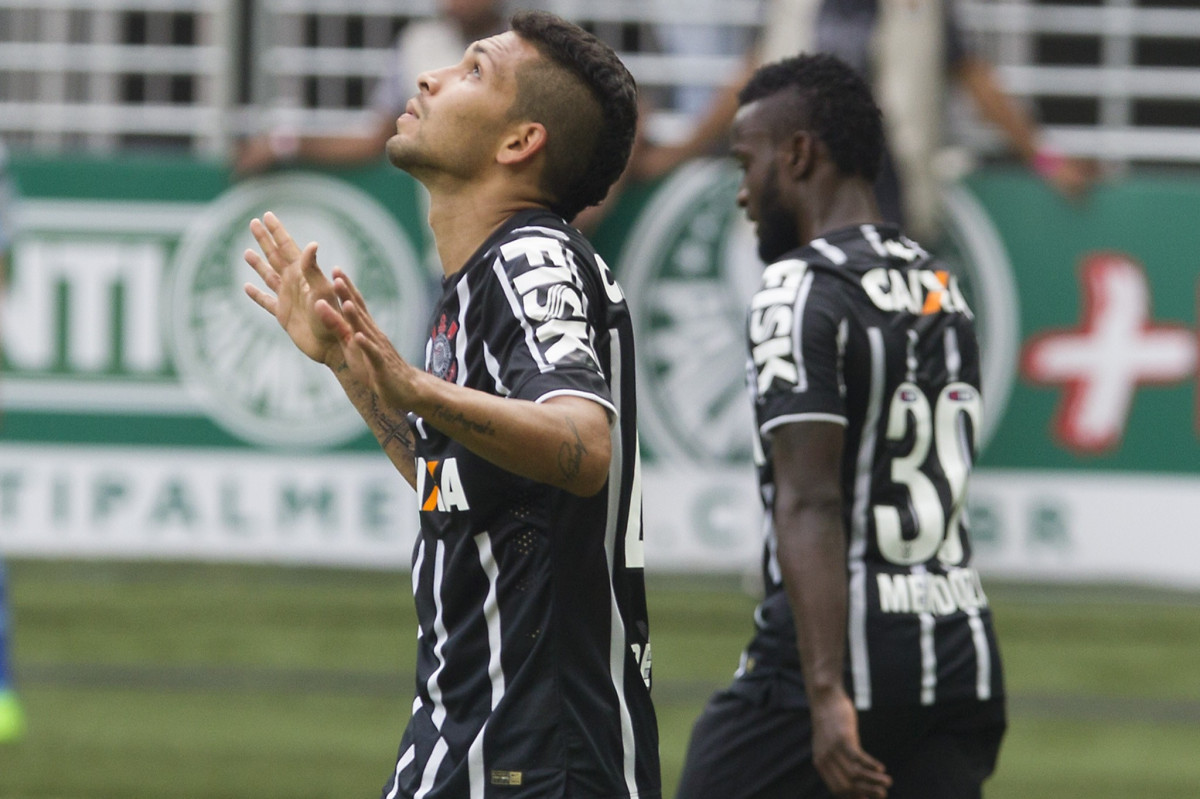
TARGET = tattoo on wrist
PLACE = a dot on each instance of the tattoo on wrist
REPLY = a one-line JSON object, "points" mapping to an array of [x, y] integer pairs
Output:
{"points": [[570, 454], [458, 418]]}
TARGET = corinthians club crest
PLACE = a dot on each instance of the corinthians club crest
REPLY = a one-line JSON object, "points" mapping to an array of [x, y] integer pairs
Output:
{"points": [[234, 358], [442, 363]]}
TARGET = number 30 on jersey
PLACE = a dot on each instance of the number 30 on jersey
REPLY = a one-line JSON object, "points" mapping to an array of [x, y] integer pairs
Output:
{"points": [[942, 429]]}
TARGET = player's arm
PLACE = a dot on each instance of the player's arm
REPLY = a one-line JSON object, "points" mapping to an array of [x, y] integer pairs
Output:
{"points": [[811, 539], [563, 442], [295, 284]]}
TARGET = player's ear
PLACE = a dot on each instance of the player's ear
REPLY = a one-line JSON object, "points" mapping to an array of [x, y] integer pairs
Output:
{"points": [[523, 142], [801, 153]]}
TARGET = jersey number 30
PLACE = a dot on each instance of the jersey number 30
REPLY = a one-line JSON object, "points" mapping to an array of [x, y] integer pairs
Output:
{"points": [[941, 429]]}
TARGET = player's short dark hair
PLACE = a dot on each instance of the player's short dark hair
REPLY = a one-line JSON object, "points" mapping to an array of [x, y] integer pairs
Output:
{"points": [[586, 99], [830, 99]]}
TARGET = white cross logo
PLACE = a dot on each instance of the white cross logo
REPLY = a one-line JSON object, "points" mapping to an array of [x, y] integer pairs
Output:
{"points": [[1102, 362]]}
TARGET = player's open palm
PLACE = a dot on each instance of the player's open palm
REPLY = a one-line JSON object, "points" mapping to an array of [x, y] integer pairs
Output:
{"points": [[369, 351], [295, 284], [849, 772]]}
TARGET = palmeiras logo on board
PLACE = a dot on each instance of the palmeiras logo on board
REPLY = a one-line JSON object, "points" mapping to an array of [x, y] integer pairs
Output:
{"points": [[690, 267], [234, 357]]}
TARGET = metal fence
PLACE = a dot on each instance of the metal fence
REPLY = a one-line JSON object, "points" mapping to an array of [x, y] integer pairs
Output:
{"points": [[1115, 79]]}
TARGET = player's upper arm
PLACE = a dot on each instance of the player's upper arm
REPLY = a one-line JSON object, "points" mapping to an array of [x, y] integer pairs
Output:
{"points": [[807, 457]]}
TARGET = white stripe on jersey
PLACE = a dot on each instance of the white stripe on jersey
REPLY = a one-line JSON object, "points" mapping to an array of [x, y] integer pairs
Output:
{"points": [[843, 336], [493, 367], [797, 333], [514, 305], [983, 656], [859, 657], [409, 755], [953, 355], [635, 548], [431, 768], [416, 571], [928, 651], [617, 645], [438, 715], [772, 541], [545, 231], [872, 236], [813, 416], [910, 357], [460, 340], [568, 392], [491, 612], [831, 252], [475, 764]]}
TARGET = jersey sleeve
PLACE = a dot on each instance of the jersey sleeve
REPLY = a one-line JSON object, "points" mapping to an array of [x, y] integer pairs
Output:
{"points": [[547, 340], [797, 338]]}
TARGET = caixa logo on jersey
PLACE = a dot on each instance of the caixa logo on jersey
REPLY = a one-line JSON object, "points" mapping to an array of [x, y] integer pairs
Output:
{"points": [[234, 358], [689, 269]]}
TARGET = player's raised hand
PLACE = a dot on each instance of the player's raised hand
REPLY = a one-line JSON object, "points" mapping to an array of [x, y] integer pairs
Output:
{"points": [[367, 348], [295, 284], [849, 772]]}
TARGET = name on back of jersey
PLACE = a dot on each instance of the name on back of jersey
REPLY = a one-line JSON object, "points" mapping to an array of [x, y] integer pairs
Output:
{"points": [[959, 589], [915, 291]]}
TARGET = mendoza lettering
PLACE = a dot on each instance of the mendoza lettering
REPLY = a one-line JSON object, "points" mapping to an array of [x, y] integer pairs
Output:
{"points": [[941, 595]]}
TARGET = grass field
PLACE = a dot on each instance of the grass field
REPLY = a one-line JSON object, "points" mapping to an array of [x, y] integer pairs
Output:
{"points": [[200, 681]]}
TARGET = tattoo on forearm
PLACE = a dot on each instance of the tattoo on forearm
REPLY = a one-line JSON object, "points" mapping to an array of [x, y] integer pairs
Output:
{"points": [[444, 414], [570, 454], [390, 429]]}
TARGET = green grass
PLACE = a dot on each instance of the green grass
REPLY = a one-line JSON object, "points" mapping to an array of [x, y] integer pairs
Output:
{"points": [[194, 681]]}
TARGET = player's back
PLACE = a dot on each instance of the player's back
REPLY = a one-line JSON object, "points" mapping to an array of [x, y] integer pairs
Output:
{"points": [[882, 341]]}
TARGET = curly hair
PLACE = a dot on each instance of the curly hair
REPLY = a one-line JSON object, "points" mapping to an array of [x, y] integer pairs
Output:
{"points": [[587, 100], [830, 99]]}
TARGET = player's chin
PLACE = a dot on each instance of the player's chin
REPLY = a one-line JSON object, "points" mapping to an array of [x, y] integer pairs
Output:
{"points": [[400, 151]]}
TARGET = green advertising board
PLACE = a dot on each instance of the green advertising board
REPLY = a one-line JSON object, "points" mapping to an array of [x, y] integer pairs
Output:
{"points": [[151, 410]]}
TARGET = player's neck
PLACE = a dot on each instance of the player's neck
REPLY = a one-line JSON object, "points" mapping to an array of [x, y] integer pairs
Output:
{"points": [[463, 220], [844, 203]]}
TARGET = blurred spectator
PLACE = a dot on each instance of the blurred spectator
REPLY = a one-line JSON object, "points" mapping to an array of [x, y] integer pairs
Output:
{"points": [[421, 45], [11, 719], [684, 38], [906, 48]]}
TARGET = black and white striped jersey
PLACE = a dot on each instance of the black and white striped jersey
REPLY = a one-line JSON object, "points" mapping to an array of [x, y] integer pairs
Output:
{"points": [[533, 668], [863, 329]]}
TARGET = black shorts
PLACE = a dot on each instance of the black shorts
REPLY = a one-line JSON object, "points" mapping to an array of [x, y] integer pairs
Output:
{"points": [[748, 748]]}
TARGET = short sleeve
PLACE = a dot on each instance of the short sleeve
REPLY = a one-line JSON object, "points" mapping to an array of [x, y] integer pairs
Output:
{"points": [[797, 337], [546, 336]]}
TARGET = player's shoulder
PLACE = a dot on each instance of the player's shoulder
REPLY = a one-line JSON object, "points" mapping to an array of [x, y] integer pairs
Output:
{"points": [[537, 238], [860, 248]]}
